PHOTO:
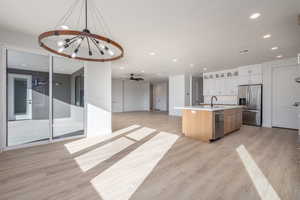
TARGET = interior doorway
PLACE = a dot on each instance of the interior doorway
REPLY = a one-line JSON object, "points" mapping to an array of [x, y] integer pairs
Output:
{"points": [[20, 96], [159, 96]]}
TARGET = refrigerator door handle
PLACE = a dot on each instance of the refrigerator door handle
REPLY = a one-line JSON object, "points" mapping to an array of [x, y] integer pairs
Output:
{"points": [[248, 96]]}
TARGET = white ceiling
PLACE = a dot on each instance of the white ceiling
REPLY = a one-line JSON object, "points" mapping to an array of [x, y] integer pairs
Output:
{"points": [[206, 33], [35, 62]]}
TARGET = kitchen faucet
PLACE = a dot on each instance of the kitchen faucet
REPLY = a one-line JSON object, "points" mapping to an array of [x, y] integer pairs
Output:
{"points": [[211, 100]]}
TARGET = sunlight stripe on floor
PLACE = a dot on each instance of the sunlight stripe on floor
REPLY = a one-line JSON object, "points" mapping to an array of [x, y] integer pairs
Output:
{"points": [[122, 179], [141, 133], [92, 158], [261, 183], [79, 145]]}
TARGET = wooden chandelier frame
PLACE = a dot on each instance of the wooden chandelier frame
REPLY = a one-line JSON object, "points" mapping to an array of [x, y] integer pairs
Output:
{"points": [[84, 34]]}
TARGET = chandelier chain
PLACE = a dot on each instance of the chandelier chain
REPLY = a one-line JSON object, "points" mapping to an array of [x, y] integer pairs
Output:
{"points": [[68, 14]]}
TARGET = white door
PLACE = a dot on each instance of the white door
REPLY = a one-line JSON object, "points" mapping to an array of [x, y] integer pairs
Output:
{"points": [[286, 97], [20, 94], [160, 96]]}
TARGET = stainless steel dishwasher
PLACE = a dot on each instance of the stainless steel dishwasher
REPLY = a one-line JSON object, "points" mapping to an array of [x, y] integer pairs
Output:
{"points": [[218, 131]]}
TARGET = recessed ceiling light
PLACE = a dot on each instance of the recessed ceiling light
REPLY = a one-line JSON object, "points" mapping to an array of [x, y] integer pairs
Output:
{"points": [[279, 56], [204, 68], [152, 53], [121, 68], [175, 60], [244, 51], [254, 16], [143, 71], [267, 36], [192, 65], [274, 48]]}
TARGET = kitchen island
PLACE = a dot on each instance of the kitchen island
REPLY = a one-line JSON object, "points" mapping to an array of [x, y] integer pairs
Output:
{"points": [[208, 123]]}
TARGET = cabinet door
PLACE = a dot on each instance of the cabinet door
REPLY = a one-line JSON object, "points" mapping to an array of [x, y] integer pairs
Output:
{"points": [[222, 87], [205, 87], [256, 79], [234, 86], [229, 86], [244, 80], [212, 87], [218, 84], [239, 119]]}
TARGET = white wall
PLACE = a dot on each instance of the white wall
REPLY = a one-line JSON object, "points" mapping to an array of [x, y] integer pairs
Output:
{"points": [[136, 96], [117, 95], [160, 96], [130, 96], [178, 93], [98, 98]]}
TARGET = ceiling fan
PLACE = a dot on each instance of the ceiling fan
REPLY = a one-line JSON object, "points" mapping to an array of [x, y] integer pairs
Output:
{"points": [[134, 77]]}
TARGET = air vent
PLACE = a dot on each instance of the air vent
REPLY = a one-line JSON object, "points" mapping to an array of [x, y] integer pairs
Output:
{"points": [[244, 51]]}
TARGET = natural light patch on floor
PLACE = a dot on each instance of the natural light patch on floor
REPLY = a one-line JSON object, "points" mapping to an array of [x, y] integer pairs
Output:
{"points": [[79, 145], [92, 158], [122, 179], [141, 133], [262, 185]]}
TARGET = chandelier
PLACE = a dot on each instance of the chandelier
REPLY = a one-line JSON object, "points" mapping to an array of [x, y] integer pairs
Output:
{"points": [[82, 45]]}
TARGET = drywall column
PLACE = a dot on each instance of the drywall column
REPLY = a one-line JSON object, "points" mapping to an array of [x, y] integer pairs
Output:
{"points": [[178, 93], [98, 98]]}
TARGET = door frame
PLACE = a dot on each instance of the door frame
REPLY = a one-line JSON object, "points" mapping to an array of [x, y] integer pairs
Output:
{"points": [[4, 99], [11, 78]]}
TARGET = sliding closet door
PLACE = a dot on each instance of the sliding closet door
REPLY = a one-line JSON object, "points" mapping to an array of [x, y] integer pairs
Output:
{"points": [[27, 98], [68, 98]]}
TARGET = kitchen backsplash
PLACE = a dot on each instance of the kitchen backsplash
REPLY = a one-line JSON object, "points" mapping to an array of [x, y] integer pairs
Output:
{"points": [[222, 100]]}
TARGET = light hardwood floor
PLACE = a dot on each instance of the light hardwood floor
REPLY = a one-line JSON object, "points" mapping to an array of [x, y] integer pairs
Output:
{"points": [[152, 164]]}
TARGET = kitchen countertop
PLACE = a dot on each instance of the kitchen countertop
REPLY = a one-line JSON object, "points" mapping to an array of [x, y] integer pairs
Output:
{"points": [[209, 108]]}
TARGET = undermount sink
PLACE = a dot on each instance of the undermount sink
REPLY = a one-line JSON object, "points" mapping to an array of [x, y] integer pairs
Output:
{"points": [[208, 106]]}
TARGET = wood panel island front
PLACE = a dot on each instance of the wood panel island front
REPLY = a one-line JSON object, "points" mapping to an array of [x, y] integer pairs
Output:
{"points": [[208, 123]]}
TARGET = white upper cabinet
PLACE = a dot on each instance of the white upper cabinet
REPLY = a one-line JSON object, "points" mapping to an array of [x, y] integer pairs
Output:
{"points": [[251, 74], [222, 83], [225, 83]]}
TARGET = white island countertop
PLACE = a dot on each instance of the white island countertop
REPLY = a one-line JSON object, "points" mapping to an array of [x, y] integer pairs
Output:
{"points": [[208, 107]]}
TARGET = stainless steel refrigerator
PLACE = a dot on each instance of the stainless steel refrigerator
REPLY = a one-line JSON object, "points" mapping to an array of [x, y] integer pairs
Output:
{"points": [[251, 97]]}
